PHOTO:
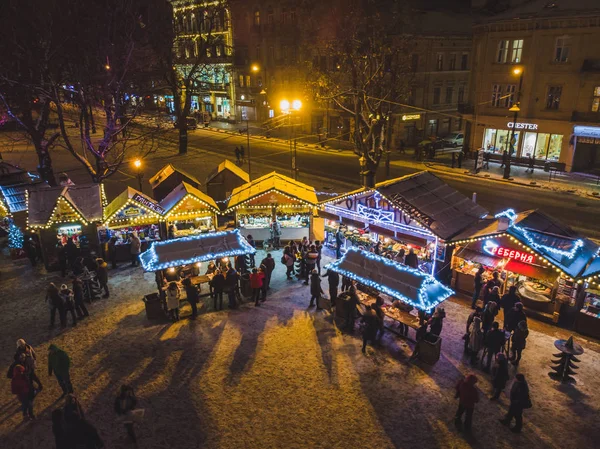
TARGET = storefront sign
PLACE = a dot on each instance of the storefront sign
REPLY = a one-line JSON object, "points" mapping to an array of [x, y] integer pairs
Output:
{"points": [[440, 252], [375, 214], [131, 211], [586, 131], [529, 126], [492, 248], [148, 203], [407, 117]]}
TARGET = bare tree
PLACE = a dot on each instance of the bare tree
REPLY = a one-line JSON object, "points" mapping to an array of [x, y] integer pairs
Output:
{"points": [[360, 63]]}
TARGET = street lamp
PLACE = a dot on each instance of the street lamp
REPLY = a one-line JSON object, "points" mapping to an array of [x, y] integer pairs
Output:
{"points": [[288, 108], [137, 163], [515, 108]]}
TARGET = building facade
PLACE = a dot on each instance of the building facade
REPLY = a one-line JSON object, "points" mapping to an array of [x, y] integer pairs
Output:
{"points": [[543, 57]]}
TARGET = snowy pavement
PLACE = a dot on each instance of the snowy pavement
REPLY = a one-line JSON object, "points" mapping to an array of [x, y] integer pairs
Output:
{"points": [[280, 375]]}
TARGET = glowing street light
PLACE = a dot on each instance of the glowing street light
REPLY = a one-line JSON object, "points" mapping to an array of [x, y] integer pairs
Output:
{"points": [[137, 163], [284, 105], [255, 68], [296, 105]]}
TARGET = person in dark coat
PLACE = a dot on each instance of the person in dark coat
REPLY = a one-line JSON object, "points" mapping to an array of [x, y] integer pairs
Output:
{"points": [[61, 254], [125, 403], [241, 264], [371, 326], [31, 251], [319, 248], [514, 317], [231, 284], [102, 274], [519, 400], [499, 375], [26, 356], [192, 295], [489, 315], [477, 286], [315, 288], [80, 307], [59, 363], [346, 283], [112, 252], [72, 251], [377, 308], [467, 396], [56, 303], [61, 439], [437, 321], [339, 240], [269, 265], [333, 279], [351, 311], [508, 300], [218, 285], [493, 342], [489, 287], [411, 259], [252, 243], [519, 340]]}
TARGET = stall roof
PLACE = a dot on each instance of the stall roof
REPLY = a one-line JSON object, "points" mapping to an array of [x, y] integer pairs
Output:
{"points": [[15, 195], [273, 182], [193, 249], [228, 165], [180, 192], [167, 171], [406, 284], [593, 268], [486, 227], [85, 199], [128, 194]]}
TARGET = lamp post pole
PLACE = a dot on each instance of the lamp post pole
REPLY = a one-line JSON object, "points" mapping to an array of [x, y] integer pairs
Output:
{"points": [[248, 144], [516, 109]]}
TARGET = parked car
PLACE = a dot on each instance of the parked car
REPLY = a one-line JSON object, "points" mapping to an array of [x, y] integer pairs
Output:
{"points": [[191, 122], [454, 139]]}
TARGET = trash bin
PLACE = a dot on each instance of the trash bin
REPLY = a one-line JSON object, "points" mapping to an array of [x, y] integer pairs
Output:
{"points": [[154, 308], [245, 288], [429, 349]]}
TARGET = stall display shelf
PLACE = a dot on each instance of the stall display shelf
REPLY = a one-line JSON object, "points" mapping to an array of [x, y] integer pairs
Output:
{"points": [[392, 312]]}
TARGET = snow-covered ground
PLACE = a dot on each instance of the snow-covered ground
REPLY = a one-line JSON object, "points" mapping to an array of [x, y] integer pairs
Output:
{"points": [[275, 376]]}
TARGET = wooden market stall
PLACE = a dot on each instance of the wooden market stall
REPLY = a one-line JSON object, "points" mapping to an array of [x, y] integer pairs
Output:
{"points": [[543, 258], [189, 211], [63, 213], [274, 198], [131, 212], [169, 177], [418, 212], [588, 318], [226, 177], [174, 260]]}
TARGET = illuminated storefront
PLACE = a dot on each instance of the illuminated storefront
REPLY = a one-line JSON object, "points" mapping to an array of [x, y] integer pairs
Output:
{"points": [[528, 140]]}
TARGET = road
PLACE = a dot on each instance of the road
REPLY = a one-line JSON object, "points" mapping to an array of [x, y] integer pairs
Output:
{"points": [[326, 170]]}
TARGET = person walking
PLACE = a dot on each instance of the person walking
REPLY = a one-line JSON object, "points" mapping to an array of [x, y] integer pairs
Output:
{"points": [[242, 154], [371, 326], [125, 404], [333, 279], [102, 275], [256, 283], [269, 266], [56, 304], [499, 376], [237, 156], [508, 300], [59, 364], [80, 308], [20, 387], [173, 295], [218, 285], [467, 396], [135, 248], [191, 292], [493, 342], [478, 284], [504, 159], [519, 340], [69, 302], [519, 401], [475, 339], [315, 289], [339, 240], [288, 259], [26, 356], [377, 308], [411, 259]]}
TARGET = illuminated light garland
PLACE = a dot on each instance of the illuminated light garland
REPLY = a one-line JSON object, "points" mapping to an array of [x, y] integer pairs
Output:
{"points": [[52, 220], [424, 302], [268, 192], [15, 236], [153, 263], [146, 219], [103, 197], [172, 212], [352, 194]]}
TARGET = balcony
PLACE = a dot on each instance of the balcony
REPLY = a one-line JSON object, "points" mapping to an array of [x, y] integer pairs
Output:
{"points": [[587, 117]]}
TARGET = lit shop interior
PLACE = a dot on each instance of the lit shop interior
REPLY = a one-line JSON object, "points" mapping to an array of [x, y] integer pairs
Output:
{"points": [[273, 197], [543, 258], [544, 146], [189, 211], [415, 212], [131, 212]]}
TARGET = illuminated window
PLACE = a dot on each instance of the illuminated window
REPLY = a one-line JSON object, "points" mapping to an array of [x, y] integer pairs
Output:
{"points": [[553, 97], [509, 94], [248, 81], [257, 18], [241, 80], [439, 63], [517, 50], [502, 55], [596, 99], [496, 95], [563, 49]]}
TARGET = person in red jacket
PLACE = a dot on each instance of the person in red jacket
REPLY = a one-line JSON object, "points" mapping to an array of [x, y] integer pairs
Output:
{"points": [[467, 396], [256, 283], [21, 388]]}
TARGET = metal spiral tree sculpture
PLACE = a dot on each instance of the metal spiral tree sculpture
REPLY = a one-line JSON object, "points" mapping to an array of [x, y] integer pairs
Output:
{"points": [[565, 367]]}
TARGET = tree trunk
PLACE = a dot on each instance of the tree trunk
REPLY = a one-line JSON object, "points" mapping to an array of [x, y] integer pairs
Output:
{"points": [[183, 138], [44, 167], [368, 178]]}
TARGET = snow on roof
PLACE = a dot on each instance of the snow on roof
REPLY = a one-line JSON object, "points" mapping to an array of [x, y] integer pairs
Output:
{"points": [[273, 182], [135, 195], [406, 284], [167, 171], [193, 249], [15, 195], [85, 199], [228, 165], [431, 201], [181, 191], [593, 268]]}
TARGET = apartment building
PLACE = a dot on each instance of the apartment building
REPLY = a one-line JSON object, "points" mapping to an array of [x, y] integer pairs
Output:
{"points": [[544, 57]]}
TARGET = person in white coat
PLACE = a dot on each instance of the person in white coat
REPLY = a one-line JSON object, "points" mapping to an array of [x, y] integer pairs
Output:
{"points": [[173, 294]]}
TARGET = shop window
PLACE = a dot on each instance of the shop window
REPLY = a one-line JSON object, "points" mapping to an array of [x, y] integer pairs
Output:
{"points": [[461, 94], [553, 97], [502, 55], [509, 95], [517, 50], [464, 61], [541, 146], [439, 63], [449, 94], [555, 146], [489, 139], [452, 62], [563, 49], [596, 99], [256, 18], [436, 95], [496, 95], [529, 144]]}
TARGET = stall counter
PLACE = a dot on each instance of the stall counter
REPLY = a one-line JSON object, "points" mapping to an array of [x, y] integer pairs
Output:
{"points": [[287, 233]]}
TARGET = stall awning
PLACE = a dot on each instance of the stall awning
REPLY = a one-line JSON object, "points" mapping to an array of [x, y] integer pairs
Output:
{"points": [[80, 202], [131, 196], [193, 249], [476, 256], [184, 190], [406, 284], [276, 183]]}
